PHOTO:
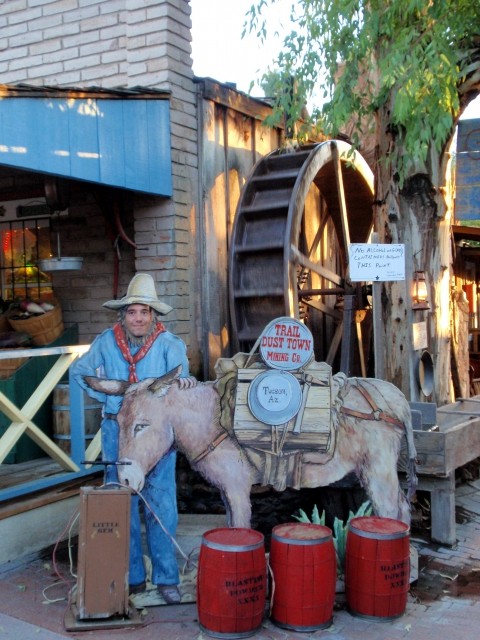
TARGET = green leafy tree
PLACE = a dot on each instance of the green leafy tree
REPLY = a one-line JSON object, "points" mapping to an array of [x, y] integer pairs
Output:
{"points": [[398, 74]]}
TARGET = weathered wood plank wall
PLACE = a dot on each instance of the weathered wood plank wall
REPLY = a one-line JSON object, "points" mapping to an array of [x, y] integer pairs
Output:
{"points": [[232, 140]]}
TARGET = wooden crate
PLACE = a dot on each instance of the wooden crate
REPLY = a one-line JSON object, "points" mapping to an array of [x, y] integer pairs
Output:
{"points": [[315, 427], [454, 443]]}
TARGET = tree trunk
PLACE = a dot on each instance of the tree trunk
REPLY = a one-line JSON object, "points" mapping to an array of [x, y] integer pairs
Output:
{"points": [[416, 215], [459, 352]]}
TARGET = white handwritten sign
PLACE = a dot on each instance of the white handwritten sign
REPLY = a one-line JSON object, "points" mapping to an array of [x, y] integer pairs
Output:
{"points": [[377, 262], [420, 338]]}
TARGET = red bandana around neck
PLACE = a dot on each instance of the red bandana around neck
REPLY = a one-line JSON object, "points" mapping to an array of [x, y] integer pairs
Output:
{"points": [[122, 343]]}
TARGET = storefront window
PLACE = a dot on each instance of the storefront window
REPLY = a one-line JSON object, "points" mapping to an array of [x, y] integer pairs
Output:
{"points": [[24, 243]]}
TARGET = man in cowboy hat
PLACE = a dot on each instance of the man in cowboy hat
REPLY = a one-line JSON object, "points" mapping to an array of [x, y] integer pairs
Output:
{"points": [[136, 348]]}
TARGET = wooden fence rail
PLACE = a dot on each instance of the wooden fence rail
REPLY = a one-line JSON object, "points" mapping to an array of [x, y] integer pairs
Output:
{"points": [[22, 421]]}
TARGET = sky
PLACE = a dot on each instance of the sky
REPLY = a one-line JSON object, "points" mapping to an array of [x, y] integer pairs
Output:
{"points": [[219, 52]]}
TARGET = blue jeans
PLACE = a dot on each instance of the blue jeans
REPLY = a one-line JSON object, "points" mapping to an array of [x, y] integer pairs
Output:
{"points": [[160, 492]]}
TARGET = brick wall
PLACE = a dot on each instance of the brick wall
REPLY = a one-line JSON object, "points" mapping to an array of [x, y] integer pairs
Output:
{"points": [[64, 42], [121, 43]]}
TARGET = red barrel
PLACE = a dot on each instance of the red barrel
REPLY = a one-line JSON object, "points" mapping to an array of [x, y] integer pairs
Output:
{"points": [[304, 568], [231, 582], [377, 567]]}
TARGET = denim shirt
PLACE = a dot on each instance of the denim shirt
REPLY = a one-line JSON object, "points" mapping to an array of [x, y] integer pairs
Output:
{"points": [[104, 359]]}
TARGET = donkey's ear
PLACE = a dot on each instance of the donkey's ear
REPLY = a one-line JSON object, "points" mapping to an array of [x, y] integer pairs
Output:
{"points": [[168, 378], [110, 387]]}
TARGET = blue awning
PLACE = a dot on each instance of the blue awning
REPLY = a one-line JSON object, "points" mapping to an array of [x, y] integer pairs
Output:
{"points": [[121, 140]]}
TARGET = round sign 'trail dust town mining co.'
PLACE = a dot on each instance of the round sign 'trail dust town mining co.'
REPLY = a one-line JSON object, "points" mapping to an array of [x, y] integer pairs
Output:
{"points": [[286, 344]]}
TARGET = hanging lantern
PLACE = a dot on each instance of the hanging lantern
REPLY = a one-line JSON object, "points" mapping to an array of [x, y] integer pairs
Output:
{"points": [[420, 292]]}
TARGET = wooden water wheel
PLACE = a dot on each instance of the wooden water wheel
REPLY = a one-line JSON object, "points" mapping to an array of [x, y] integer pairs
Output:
{"points": [[295, 219]]}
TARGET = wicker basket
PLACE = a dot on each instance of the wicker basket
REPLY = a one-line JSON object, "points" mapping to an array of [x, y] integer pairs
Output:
{"points": [[42, 329], [4, 325]]}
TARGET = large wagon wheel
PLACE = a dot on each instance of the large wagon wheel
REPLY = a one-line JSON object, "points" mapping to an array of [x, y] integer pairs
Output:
{"points": [[295, 219]]}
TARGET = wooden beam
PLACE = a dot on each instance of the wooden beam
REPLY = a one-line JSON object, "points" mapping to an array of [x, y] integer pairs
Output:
{"points": [[347, 338], [94, 448], [337, 338], [341, 200], [22, 418], [299, 258], [378, 334], [363, 367], [10, 437], [42, 392], [231, 98], [323, 308]]}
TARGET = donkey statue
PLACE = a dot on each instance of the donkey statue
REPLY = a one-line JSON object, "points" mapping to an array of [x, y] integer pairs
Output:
{"points": [[157, 415]]}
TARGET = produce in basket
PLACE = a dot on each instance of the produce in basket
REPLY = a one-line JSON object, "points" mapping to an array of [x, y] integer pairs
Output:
{"points": [[43, 328], [31, 307], [28, 308]]}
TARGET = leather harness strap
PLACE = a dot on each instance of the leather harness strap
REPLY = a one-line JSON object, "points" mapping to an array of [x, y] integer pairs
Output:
{"points": [[211, 447], [377, 414]]}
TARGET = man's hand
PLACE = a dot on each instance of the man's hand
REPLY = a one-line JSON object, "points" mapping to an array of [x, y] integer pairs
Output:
{"points": [[187, 383]]}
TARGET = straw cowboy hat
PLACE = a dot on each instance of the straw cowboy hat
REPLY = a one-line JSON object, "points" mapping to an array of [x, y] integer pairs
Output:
{"points": [[141, 290]]}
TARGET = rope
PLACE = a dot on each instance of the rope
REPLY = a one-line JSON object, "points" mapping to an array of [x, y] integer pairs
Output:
{"points": [[187, 558]]}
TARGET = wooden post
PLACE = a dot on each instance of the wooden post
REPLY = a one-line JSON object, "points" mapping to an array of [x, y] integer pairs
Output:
{"points": [[346, 356], [378, 340]]}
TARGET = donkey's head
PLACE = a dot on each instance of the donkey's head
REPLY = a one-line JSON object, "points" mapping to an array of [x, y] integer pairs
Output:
{"points": [[146, 433]]}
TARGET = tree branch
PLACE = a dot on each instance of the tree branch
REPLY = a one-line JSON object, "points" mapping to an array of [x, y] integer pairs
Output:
{"points": [[469, 89]]}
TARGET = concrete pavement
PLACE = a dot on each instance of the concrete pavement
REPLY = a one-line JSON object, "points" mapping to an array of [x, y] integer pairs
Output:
{"points": [[443, 603]]}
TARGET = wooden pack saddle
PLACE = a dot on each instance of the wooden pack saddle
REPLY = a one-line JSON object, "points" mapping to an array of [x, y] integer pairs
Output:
{"points": [[277, 450], [309, 429]]}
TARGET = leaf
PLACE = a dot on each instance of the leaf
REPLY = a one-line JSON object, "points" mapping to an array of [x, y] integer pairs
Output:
{"points": [[302, 517], [339, 529], [316, 518], [419, 50]]}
